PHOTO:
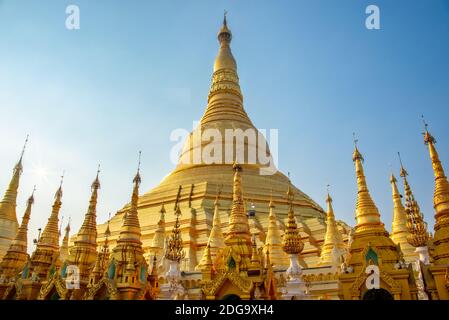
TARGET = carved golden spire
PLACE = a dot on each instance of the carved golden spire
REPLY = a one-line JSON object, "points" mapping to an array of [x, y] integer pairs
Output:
{"points": [[216, 240], [102, 258], [207, 266], [47, 248], [333, 242], [8, 216], [50, 235], [273, 240], [175, 251], [238, 236], [367, 214], [440, 203], [64, 251], [225, 97], [417, 229], [255, 256], [16, 256], [291, 243], [83, 254], [130, 230], [399, 230], [225, 59], [159, 235]]}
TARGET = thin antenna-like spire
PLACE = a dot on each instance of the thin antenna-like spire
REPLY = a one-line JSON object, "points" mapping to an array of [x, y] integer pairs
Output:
{"points": [[138, 166], [224, 18], [23, 149], [403, 173], [354, 138]]}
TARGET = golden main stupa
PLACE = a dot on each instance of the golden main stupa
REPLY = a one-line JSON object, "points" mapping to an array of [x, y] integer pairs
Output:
{"points": [[230, 229]]}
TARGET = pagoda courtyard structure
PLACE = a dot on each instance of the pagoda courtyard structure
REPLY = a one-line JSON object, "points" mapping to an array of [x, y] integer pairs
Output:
{"points": [[193, 185]]}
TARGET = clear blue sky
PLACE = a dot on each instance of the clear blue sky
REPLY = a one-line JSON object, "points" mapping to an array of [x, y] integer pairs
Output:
{"points": [[136, 70]]}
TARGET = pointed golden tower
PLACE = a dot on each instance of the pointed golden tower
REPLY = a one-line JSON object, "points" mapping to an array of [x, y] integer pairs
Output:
{"points": [[158, 242], [291, 242], [417, 235], [47, 248], [333, 246], [64, 251], [371, 245], [273, 241], [16, 256], [216, 240], [206, 266], [128, 270], [101, 260], [8, 217], [238, 237], [440, 203], [255, 256], [399, 231], [83, 253]]}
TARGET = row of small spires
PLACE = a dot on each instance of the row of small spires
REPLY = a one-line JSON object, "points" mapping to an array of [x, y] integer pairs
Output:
{"points": [[251, 211]]}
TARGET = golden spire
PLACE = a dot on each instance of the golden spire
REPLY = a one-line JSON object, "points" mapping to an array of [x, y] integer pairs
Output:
{"points": [[238, 236], [16, 256], [47, 248], [8, 216], [175, 250], [440, 203], [273, 240], [417, 229], [216, 240], [333, 241], [130, 230], [64, 251], [291, 243], [87, 235], [83, 254], [225, 97], [255, 256], [225, 59], [207, 266], [367, 214], [102, 257], [159, 234], [50, 235], [399, 231]]}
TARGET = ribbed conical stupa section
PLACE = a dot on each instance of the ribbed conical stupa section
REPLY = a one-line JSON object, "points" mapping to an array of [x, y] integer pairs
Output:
{"points": [[238, 237], [370, 234], [130, 230], [273, 241], [159, 235], [333, 246], [64, 251], [8, 217], [216, 242], [399, 231], [367, 215], [16, 256], [440, 203], [47, 248], [84, 251]]}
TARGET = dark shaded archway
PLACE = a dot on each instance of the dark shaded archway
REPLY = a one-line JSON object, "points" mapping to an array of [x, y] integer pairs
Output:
{"points": [[377, 294], [231, 297]]}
